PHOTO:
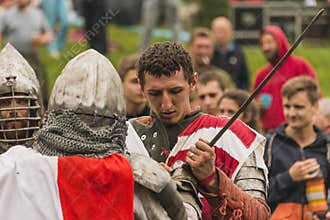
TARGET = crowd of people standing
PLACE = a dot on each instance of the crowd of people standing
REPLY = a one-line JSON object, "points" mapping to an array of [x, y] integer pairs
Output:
{"points": [[165, 102]]}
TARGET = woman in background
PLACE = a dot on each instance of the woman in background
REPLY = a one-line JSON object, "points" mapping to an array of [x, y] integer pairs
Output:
{"points": [[230, 102]]}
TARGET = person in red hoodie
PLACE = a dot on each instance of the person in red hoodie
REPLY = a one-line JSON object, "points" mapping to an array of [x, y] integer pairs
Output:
{"points": [[274, 44]]}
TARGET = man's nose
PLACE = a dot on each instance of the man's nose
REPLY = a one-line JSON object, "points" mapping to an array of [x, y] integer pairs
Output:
{"points": [[207, 100], [13, 114], [166, 101], [139, 87], [292, 112]]}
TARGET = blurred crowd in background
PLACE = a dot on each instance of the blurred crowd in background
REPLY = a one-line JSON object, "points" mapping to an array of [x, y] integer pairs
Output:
{"points": [[298, 120]]}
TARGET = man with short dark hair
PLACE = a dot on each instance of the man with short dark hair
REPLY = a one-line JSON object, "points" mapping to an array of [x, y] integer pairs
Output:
{"points": [[274, 45], [201, 50], [297, 150], [136, 103], [173, 134], [210, 88]]}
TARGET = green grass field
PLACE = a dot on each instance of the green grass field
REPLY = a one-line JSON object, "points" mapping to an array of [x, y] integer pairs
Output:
{"points": [[127, 41]]}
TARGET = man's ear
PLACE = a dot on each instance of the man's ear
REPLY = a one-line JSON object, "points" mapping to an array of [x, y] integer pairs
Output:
{"points": [[194, 82]]}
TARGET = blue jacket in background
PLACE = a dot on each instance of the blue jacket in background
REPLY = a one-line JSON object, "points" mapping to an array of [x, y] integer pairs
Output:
{"points": [[284, 153]]}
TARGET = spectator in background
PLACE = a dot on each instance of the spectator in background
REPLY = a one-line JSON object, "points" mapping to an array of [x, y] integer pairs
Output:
{"points": [[322, 118], [296, 151], [95, 27], [5, 4], [136, 103], [201, 51], [227, 55], [232, 100], [27, 29], [150, 14], [322, 121], [56, 10], [274, 45], [210, 88]]}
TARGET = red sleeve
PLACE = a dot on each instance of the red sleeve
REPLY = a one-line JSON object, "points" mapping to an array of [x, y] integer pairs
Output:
{"points": [[261, 74], [233, 202]]}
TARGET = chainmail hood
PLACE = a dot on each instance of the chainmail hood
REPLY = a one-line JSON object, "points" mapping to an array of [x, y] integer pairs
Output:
{"points": [[86, 110], [65, 134]]}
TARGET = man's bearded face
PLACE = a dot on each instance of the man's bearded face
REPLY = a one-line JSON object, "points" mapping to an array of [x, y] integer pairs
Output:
{"points": [[6, 114], [269, 47]]}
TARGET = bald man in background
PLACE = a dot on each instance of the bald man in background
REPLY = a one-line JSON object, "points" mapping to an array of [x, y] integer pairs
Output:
{"points": [[227, 55]]}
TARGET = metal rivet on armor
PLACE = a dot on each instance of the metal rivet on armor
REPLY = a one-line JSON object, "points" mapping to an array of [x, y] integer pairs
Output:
{"points": [[155, 134], [143, 137], [153, 147]]}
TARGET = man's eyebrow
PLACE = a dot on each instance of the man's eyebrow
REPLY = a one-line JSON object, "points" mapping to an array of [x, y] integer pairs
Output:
{"points": [[176, 87], [155, 90]]}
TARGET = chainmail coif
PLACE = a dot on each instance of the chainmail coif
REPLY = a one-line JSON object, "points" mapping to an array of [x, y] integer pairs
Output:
{"points": [[65, 134]]}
